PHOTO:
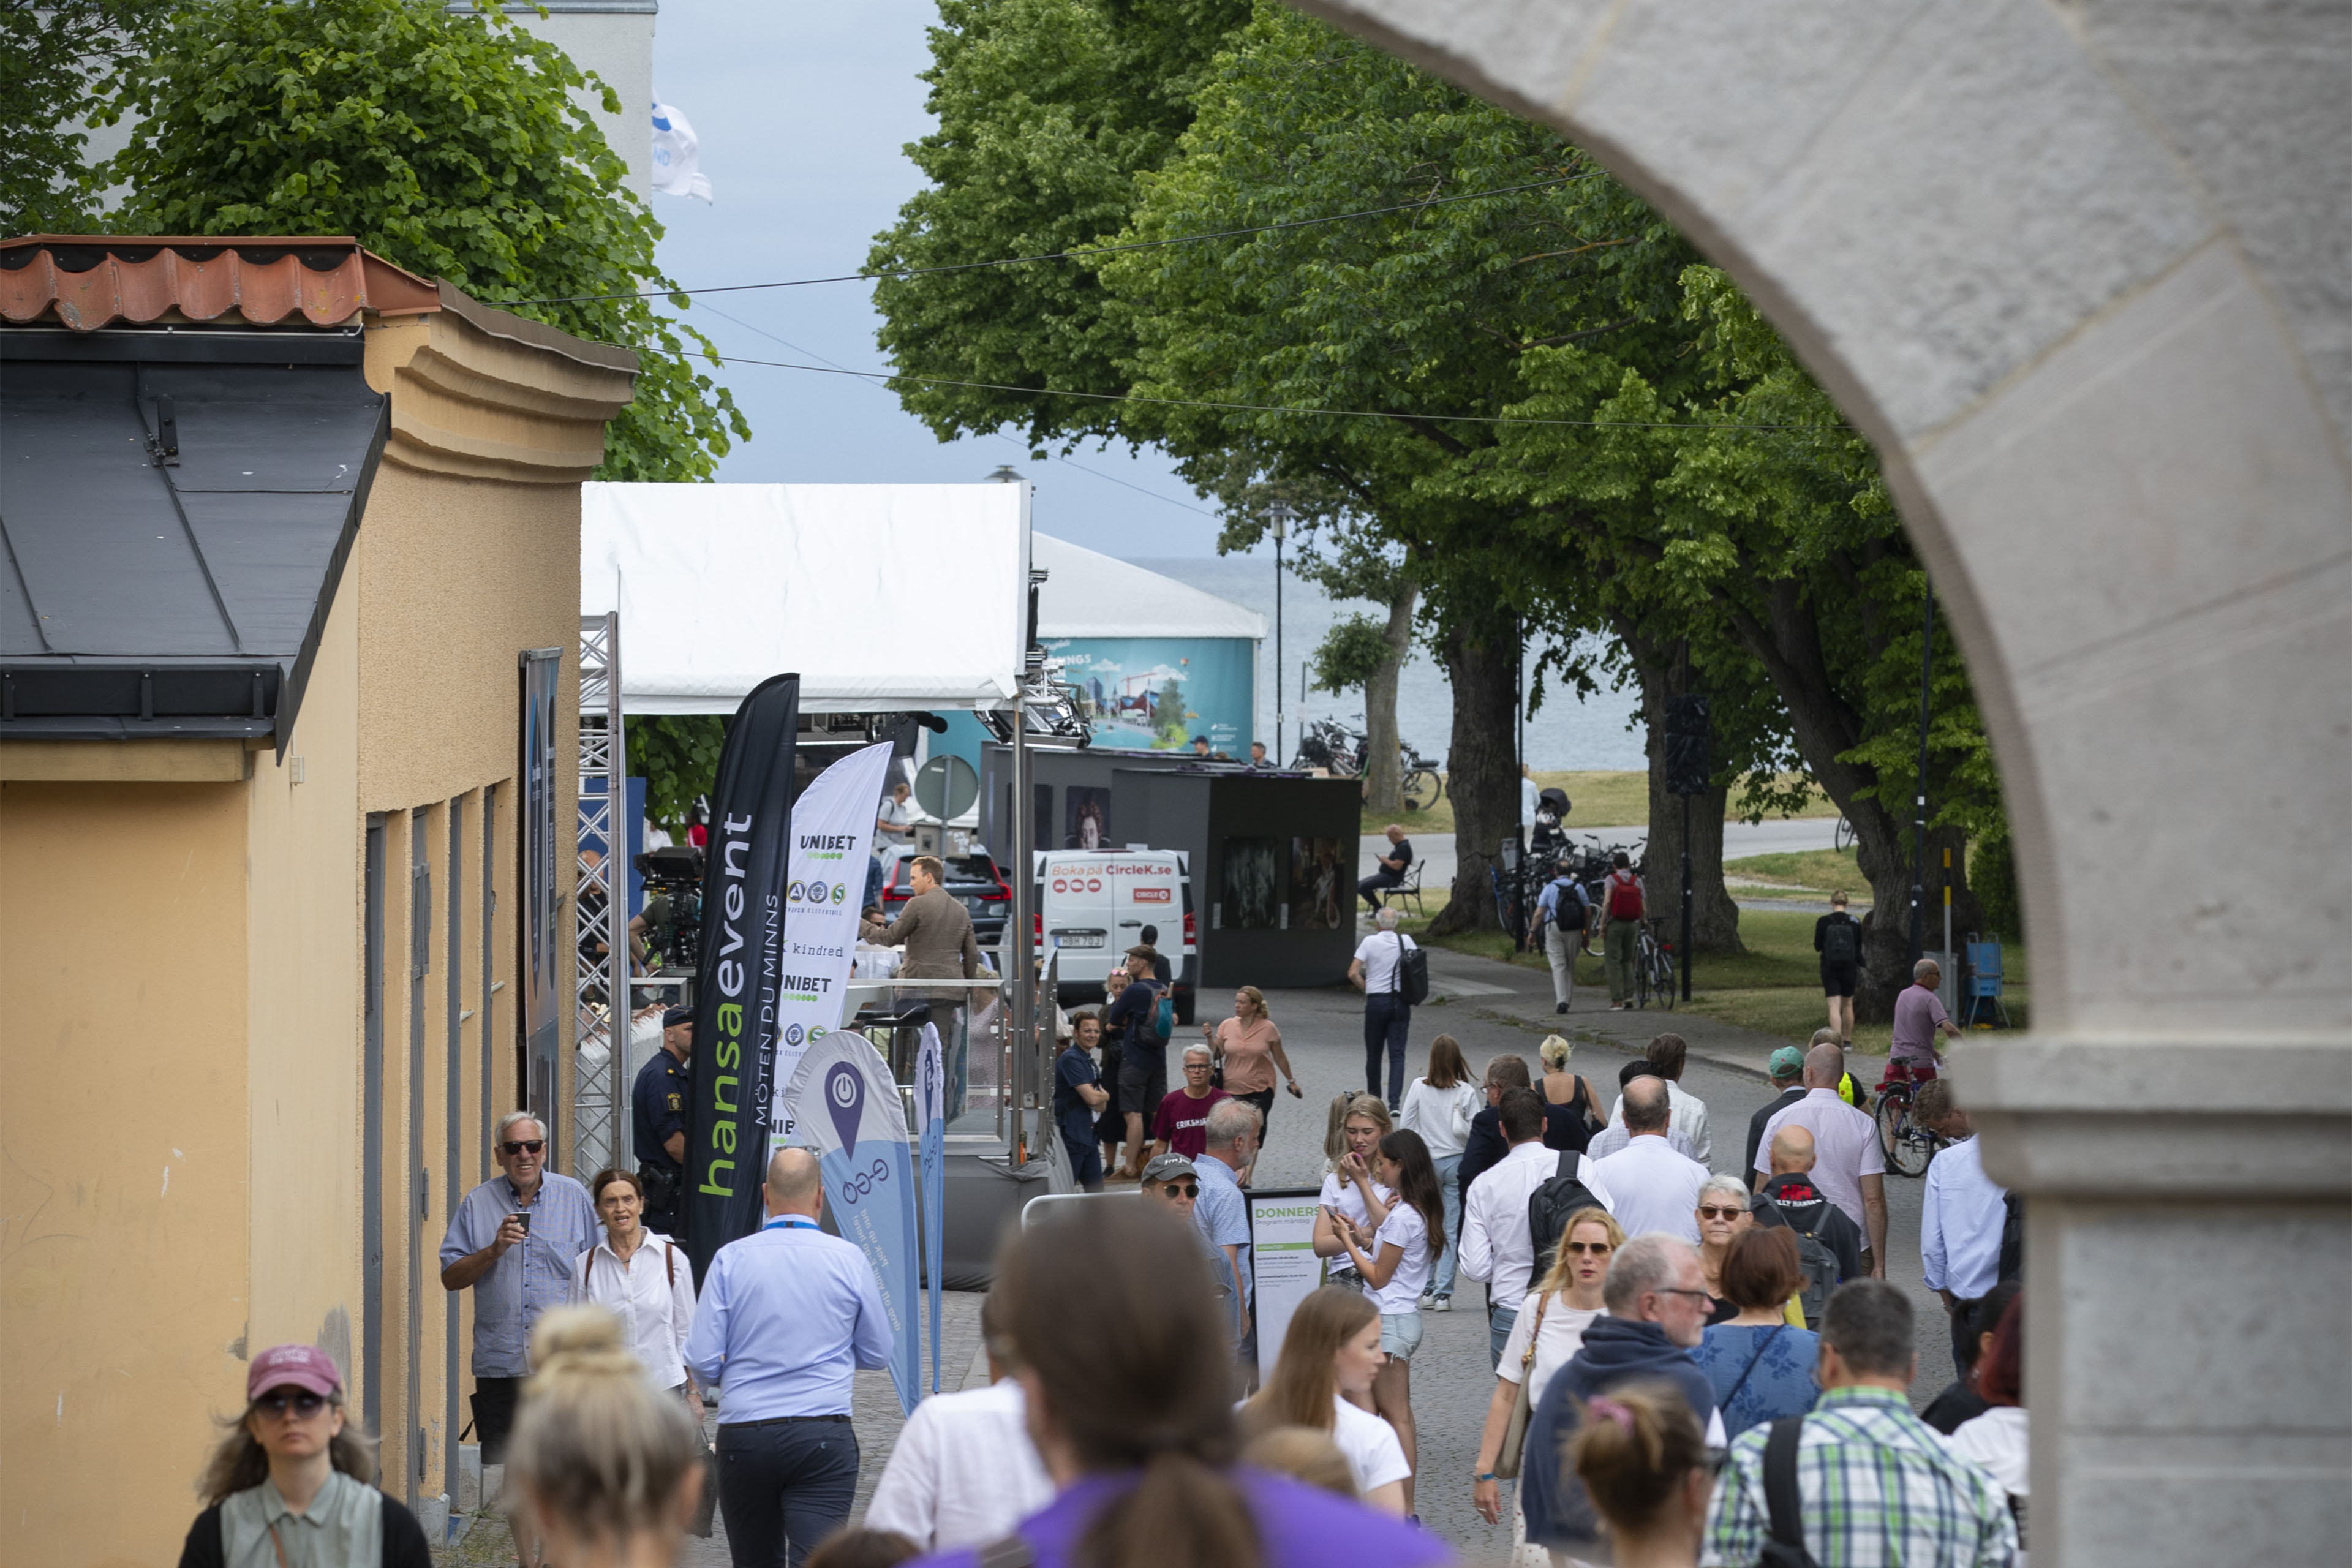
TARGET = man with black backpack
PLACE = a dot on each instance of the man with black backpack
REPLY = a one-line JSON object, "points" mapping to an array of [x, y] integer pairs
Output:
{"points": [[1861, 1481], [1393, 973], [1829, 1245], [1561, 913], [1837, 937]]}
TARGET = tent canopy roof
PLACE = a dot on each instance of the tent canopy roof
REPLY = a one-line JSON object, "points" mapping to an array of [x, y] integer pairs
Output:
{"points": [[881, 597], [1089, 595]]}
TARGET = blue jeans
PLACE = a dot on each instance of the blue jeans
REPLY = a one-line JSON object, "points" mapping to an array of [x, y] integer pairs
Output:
{"points": [[1441, 1281], [1387, 1018], [783, 1486], [1500, 1321]]}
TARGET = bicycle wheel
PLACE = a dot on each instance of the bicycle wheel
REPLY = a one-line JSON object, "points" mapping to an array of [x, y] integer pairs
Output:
{"points": [[1903, 1142], [1420, 790], [1841, 836], [1641, 977], [1667, 989]]}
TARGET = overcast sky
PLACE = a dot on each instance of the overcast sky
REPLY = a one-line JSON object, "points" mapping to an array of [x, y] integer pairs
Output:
{"points": [[802, 111]]}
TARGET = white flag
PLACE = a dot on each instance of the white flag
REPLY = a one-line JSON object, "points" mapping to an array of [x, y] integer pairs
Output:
{"points": [[678, 156]]}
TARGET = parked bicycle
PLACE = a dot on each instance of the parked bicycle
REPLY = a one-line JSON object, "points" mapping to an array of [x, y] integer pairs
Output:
{"points": [[1907, 1143], [1654, 966]]}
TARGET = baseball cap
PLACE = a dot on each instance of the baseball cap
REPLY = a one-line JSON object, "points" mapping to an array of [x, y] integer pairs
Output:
{"points": [[296, 1366], [1165, 1166], [1786, 1062], [677, 1015]]}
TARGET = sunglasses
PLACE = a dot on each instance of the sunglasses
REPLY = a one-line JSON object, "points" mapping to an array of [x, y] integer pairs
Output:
{"points": [[300, 1400], [532, 1147], [1708, 1210], [1596, 1248], [1189, 1189]]}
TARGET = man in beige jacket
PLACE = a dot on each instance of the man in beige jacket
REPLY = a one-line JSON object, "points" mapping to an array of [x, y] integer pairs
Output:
{"points": [[936, 930]]}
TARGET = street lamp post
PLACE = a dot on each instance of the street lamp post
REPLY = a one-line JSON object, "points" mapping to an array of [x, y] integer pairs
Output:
{"points": [[1281, 514]]}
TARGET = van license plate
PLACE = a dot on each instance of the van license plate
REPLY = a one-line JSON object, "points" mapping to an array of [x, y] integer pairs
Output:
{"points": [[1078, 939]]}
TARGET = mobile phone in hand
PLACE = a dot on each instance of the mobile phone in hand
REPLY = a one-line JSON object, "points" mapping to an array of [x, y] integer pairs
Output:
{"points": [[523, 1217]]}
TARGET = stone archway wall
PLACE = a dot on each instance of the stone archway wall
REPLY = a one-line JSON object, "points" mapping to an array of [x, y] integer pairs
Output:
{"points": [[2085, 274]]}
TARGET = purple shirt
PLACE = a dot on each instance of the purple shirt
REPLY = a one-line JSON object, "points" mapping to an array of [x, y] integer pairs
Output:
{"points": [[1299, 1526], [1918, 1012]]}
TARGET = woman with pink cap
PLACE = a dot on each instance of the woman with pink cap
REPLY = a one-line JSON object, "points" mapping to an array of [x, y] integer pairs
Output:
{"points": [[293, 1483]]}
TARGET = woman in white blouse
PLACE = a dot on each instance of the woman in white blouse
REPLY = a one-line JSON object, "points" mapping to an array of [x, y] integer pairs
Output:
{"points": [[642, 1281], [1553, 1317], [1439, 1106]]}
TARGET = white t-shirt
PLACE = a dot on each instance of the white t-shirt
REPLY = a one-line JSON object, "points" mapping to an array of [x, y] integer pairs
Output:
{"points": [[1341, 1194], [1995, 1443], [1406, 1230], [1374, 1454], [1442, 1116], [963, 1472], [1563, 1336], [1378, 953]]}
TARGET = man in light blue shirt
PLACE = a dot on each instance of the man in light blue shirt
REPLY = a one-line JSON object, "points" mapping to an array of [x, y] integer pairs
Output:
{"points": [[1962, 1211], [1222, 1212], [513, 1241], [786, 1319]]}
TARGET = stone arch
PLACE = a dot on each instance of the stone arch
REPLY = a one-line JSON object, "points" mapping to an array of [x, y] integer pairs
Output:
{"points": [[2083, 272]]}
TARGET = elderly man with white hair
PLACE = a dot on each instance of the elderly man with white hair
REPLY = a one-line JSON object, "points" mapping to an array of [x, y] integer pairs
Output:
{"points": [[512, 1242], [1180, 1123], [1378, 972]]}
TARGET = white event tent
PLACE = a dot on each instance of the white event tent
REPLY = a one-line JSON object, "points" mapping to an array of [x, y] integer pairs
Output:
{"points": [[883, 597], [1089, 595]]}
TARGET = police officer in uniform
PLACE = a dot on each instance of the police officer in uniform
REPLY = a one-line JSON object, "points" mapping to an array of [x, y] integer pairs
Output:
{"points": [[658, 1105]]}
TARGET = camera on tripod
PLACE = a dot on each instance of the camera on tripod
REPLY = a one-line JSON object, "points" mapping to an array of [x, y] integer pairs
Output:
{"points": [[674, 877]]}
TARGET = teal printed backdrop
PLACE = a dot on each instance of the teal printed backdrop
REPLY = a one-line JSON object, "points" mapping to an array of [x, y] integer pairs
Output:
{"points": [[1157, 693]]}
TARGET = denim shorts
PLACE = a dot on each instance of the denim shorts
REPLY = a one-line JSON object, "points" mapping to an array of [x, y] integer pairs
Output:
{"points": [[1401, 1333]]}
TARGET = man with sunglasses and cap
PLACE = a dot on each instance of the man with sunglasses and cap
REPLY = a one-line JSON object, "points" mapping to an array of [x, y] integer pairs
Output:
{"points": [[512, 1242], [1173, 1180], [658, 1105]]}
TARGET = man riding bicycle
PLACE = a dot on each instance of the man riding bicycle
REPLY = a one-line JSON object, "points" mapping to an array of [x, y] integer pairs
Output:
{"points": [[1919, 1016]]}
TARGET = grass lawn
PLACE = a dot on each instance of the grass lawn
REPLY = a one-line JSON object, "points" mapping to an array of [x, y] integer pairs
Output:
{"points": [[1773, 988], [1597, 800]]}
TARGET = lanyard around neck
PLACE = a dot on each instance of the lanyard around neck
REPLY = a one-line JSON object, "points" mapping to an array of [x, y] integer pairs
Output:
{"points": [[792, 1222]]}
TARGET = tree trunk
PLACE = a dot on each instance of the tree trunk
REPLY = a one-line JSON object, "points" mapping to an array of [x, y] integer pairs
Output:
{"points": [[1715, 917], [1384, 779], [1482, 771]]}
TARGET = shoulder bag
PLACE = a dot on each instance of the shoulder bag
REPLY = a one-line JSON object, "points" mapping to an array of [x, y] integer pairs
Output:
{"points": [[1515, 1434], [1784, 1545], [1411, 980]]}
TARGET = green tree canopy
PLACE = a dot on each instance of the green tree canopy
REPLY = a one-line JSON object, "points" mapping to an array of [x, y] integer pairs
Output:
{"points": [[55, 57], [448, 143]]}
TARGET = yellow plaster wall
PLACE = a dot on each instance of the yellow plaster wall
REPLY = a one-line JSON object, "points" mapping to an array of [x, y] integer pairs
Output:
{"points": [[123, 1175]]}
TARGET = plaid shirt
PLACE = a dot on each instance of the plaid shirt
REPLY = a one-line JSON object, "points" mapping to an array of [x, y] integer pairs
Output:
{"points": [[1880, 1490]]}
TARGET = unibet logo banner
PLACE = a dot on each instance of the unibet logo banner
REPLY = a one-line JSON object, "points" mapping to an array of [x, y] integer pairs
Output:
{"points": [[833, 834], [842, 1099]]}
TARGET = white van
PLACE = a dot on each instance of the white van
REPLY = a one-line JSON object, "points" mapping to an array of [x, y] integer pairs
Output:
{"points": [[1092, 906]]}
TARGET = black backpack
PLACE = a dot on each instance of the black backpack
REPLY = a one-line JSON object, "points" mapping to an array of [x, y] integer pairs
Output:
{"points": [[2012, 1239], [1840, 939], [1549, 1207], [1412, 981], [1571, 897], [1819, 1263]]}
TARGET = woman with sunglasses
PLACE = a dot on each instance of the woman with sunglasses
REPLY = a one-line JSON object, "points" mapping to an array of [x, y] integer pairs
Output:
{"points": [[1332, 1350], [294, 1481], [641, 1279], [1723, 1213], [1549, 1330], [1395, 1260]]}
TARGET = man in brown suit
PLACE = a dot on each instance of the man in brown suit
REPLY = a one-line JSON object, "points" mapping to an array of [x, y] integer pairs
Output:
{"points": [[936, 932]]}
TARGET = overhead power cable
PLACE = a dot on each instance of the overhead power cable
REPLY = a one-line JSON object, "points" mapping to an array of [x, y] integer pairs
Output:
{"points": [[1080, 254], [1399, 414]]}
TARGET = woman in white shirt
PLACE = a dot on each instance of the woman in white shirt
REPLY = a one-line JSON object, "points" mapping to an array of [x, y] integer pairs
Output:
{"points": [[642, 1281], [1549, 1332], [1995, 1442], [1332, 1350], [1357, 1123], [1394, 1261], [1439, 1106]]}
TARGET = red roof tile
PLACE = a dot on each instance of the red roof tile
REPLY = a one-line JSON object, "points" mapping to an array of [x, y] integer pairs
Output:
{"points": [[90, 280]]}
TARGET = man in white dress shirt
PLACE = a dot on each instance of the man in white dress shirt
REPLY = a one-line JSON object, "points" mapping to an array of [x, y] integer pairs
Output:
{"points": [[1962, 1211], [1646, 1185], [1496, 1248], [964, 1471], [1849, 1163], [1685, 1112]]}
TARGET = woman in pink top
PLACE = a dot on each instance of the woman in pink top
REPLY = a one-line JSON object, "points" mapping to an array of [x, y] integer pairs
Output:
{"points": [[1249, 1047]]}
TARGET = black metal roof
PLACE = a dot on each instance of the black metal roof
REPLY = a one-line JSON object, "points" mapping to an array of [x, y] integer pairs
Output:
{"points": [[177, 505]]}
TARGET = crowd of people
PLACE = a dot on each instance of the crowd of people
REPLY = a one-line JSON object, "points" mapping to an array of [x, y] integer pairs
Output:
{"points": [[1679, 1356]]}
